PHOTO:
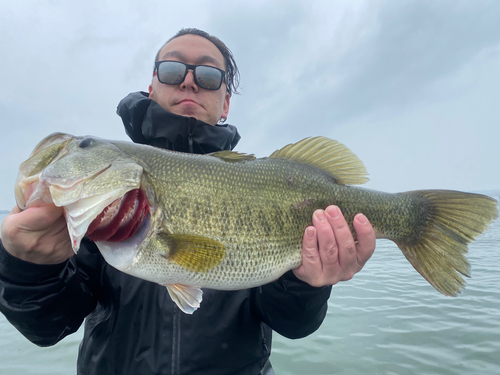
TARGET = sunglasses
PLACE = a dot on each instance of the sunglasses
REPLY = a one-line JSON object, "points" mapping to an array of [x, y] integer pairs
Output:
{"points": [[174, 72]]}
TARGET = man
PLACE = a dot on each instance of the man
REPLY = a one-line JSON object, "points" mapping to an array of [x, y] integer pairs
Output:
{"points": [[132, 326]]}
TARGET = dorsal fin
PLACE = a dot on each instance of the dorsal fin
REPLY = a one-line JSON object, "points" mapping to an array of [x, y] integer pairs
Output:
{"points": [[328, 155], [232, 156]]}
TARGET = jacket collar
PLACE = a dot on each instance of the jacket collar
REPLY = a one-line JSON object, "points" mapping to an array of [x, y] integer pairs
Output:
{"points": [[148, 123]]}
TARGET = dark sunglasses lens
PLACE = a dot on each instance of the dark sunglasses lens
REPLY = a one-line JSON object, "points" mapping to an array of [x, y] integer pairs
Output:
{"points": [[208, 78], [171, 72]]}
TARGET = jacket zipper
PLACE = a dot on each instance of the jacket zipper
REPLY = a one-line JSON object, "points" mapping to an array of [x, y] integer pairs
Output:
{"points": [[176, 341], [190, 134], [190, 140]]}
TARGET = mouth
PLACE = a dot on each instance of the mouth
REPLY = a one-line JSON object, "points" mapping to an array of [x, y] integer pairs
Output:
{"points": [[189, 102], [120, 220]]}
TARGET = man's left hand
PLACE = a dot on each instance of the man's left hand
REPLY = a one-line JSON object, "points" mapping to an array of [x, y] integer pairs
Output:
{"points": [[329, 252]]}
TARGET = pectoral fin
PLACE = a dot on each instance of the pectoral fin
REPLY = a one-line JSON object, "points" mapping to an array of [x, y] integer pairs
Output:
{"points": [[187, 298], [192, 252]]}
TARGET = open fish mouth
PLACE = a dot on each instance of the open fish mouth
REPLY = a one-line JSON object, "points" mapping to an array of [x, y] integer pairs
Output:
{"points": [[98, 186], [120, 220], [27, 190]]}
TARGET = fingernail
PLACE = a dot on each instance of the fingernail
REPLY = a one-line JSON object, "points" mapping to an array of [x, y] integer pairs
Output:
{"points": [[361, 219], [333, 211], [310, 232], [320, 215]]}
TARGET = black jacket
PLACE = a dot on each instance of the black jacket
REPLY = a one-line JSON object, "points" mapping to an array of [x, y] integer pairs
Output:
{"points": [[131, 325]]}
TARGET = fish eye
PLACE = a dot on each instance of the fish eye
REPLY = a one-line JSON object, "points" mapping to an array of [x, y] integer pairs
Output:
{"points": [[86, 142]]}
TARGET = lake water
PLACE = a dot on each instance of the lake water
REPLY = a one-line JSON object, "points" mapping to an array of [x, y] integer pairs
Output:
{"points": [[387, 320]]}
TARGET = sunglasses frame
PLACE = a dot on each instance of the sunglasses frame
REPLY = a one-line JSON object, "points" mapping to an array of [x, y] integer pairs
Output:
{"points": [[188, 68]]}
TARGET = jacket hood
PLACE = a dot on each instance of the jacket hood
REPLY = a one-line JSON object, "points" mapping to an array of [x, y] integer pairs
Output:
{"points": [[148, 123]]}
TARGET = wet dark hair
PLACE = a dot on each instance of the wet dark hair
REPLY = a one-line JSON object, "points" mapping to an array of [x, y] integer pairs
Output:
{"points": [[232, 73]]}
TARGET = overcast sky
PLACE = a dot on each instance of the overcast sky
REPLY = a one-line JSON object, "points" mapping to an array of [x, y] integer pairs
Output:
{"points": [[412, 87]]}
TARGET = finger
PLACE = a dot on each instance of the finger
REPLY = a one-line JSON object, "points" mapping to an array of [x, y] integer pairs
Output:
{"points": [[343, 237], [11, 216], [311, 261], [366, 239], [40, 218], [37, 235], [328, 249]]}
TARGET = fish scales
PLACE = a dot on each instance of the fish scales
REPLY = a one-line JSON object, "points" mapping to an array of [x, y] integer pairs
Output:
{"points": [[262, 233], [231, 221]]}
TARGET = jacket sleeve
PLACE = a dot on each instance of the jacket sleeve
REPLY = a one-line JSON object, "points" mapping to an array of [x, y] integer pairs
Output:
{"points": [[292, 307], [44, 302]]}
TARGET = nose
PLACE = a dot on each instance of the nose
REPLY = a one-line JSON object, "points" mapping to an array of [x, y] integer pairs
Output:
{"points": [[189, 82]]}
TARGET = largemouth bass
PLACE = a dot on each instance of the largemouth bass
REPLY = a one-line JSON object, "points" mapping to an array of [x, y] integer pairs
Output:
{"points": [[231, 221]]}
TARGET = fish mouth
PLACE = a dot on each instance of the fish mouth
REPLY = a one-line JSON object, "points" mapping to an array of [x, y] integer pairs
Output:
{"points": [[100, 193], [27, 191], [120, 220]]}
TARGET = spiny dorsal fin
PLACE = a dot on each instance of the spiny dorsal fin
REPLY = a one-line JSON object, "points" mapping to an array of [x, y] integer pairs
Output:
{"points": [[328, 155], [192, 252], [232, 156]]}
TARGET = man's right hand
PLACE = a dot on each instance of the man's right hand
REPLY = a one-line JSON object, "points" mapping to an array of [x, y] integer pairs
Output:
{"points": [[37, 235]]}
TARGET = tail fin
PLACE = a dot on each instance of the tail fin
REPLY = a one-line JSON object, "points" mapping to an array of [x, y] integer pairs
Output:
{"points": [[455, 220]]}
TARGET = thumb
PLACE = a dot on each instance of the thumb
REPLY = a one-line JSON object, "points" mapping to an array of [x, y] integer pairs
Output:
{"points": [[39, 218]]}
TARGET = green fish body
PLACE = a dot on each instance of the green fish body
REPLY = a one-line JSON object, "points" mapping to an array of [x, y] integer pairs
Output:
{"points": [[232, 221]]}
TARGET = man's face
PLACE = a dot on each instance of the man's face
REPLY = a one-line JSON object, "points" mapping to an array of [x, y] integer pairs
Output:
{"points": [[187, 99]]}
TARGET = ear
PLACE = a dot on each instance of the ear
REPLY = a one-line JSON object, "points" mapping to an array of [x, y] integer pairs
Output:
{"points": [[150, 88], [225, 107]]}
